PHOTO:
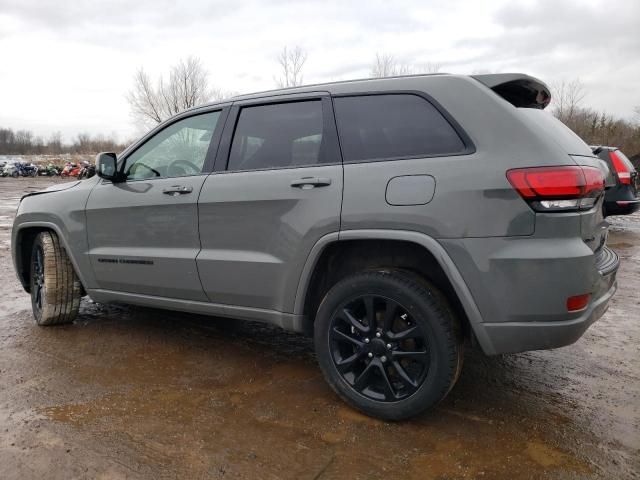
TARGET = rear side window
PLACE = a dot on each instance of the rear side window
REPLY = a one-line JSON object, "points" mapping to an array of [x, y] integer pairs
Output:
{"points": [[553, 129], [375, 127], [277, 135]]}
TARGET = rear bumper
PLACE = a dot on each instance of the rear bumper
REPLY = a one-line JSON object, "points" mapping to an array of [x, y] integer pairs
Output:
{"points": [[524, 336], [621, 207], [521, 287]]}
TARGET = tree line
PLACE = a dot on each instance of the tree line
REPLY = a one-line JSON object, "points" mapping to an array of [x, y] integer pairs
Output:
{"points": [[24, 142], [188, 85], [153, 102], [594, 127]]}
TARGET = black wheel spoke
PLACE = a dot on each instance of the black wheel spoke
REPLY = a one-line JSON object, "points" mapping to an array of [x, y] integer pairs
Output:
{"points": [[390, 315], [371, 313], [341, 336], [411, 332], [404, 376], [353, 321], [420, 356], [38, 278], [39, 296], [389, 391], [347, 364], [360, 382]]}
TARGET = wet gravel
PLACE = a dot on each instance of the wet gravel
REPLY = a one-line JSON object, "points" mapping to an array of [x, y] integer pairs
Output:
{"points": [[141, 393]]}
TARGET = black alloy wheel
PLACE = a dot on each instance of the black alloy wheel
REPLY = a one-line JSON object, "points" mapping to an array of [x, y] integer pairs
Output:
{"points": [[378, 349], [388, 343]]}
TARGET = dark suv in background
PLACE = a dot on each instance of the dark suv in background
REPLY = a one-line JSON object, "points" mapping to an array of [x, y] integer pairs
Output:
{"points": [[621, 198]]}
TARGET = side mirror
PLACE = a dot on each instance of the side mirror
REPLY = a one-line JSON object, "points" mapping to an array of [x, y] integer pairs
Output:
{"points": [[107, 167]]}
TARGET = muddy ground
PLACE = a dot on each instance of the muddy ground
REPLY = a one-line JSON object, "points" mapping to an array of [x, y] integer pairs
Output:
{"points": [[142, 393]]}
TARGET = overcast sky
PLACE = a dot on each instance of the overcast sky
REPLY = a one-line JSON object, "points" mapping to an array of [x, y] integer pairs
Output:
{"points": [[67, 65]]}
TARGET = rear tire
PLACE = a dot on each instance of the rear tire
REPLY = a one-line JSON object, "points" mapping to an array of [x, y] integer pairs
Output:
{"points": [[55, 287], [402, 362]]}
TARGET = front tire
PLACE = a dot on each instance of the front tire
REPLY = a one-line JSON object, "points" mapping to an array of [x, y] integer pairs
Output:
{"points": [[388, 343], [55, 288]]}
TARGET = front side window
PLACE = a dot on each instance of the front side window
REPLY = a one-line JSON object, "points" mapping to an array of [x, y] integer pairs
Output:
{"points": [[277, 136], [176, 151], [375, 127]]}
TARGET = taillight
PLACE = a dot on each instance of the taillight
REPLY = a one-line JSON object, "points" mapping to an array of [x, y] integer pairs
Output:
{"points": [[622, 170], [562, 188]]}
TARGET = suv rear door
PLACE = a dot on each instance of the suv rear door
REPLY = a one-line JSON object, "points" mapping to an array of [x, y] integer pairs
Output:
{"points": [[276, 189]]}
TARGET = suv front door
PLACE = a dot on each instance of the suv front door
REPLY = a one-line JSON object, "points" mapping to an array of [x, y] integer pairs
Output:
{"points": [[276, 190], [143, 233]]}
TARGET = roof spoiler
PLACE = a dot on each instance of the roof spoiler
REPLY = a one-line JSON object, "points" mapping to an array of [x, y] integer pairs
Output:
{"points": [[518, 89]]}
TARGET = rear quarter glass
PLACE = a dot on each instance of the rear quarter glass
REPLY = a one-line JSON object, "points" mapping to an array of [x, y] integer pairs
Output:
{"points": [[555, 130]]}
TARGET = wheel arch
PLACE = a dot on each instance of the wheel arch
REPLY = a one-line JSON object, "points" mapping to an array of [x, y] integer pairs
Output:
{"points": [[22, 243], [350, 250]]}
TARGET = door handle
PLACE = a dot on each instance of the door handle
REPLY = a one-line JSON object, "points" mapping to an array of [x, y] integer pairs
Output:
{"points": [[307, 183], [177, 190]]}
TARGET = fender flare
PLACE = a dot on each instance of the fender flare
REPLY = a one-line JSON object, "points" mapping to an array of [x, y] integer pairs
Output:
{"points": [[425, 241], [17, 249]]}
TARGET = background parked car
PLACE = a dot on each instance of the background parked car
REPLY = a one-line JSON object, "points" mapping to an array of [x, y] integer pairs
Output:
{"points": [[70, 170], [87, 170], [27, 169], [10, 170], [49, 171], [621, 199]]}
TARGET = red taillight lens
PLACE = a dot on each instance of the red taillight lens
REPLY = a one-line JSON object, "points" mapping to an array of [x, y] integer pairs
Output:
{"points": [[558, 188], [578, 302], [548, 182], [594, 181], [623, 172]]}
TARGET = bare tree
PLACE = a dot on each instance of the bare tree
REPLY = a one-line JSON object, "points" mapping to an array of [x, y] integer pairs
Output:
{"points": [[567, 98], [386, 65], [430, 67], [23, 141], [54, 144], [187, 86], [291, 63]]}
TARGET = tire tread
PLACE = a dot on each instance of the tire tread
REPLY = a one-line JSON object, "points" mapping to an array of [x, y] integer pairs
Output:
{"points": [[61, 296]]}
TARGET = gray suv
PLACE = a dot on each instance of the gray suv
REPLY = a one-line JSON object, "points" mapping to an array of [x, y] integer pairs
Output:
{"points": [[393, 219]]}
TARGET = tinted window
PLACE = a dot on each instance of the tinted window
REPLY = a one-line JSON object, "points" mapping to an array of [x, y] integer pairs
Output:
{"points": [[389, 126], [277, 135], [550, 127], [178, 150]]}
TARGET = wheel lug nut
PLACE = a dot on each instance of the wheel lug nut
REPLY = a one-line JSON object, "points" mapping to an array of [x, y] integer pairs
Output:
{"points": [[383, 359], [388, 345], [366, 340], [370, 355], [378, 334]]}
